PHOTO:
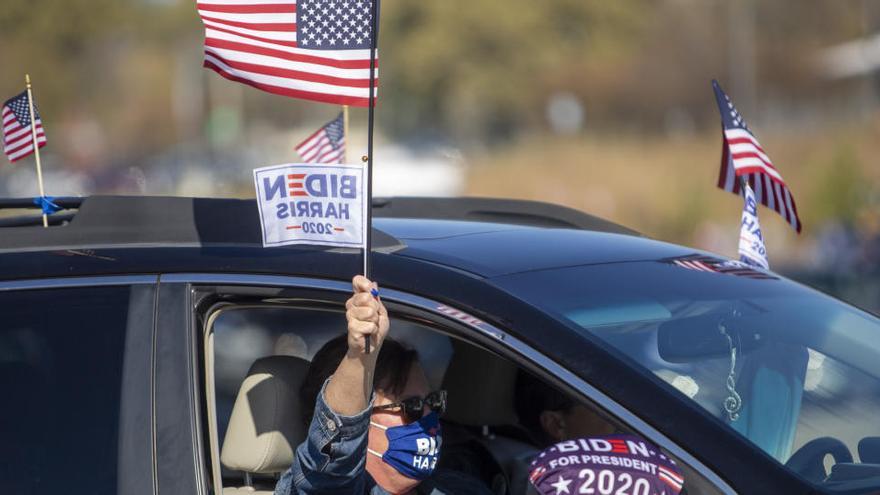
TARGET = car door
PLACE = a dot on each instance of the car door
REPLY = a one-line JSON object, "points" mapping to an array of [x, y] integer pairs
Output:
{"points": [[201, 419], [75, 370]]}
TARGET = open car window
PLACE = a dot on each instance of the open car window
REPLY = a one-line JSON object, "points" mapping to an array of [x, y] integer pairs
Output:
{"points": [[483, 434]]}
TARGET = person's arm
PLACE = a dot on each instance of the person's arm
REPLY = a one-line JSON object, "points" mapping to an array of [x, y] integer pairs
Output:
{"points": [[332, 459], [351, 386]]}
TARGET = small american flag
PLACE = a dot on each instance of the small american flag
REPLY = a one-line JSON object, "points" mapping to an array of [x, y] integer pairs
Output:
{"points": [[709, 264], [312, 49], [327, 145], [742, 156], [18, 141]]}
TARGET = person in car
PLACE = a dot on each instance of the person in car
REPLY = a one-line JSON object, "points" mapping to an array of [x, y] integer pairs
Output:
{"points": [[366, 440], [550, 416]]}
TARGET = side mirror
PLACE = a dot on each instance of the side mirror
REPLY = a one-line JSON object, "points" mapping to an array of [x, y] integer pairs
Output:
{"points": [[698, 338]]}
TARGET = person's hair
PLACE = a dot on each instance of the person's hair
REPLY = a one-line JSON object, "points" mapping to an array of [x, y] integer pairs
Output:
{"points": [[533, 397], [393, 366]]}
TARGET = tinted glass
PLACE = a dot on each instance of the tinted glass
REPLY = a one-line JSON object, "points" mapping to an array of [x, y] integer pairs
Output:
{"points": [[781, 364], [60, 373]]}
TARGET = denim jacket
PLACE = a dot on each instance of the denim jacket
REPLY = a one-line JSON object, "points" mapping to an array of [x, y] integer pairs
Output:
{"points": [[332, 460]]}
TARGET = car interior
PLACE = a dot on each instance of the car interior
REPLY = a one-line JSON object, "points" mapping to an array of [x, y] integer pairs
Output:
{"points": [[257, 357]]}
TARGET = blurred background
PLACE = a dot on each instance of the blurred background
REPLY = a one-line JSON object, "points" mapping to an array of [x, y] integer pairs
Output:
{"points": [[606, 107]]}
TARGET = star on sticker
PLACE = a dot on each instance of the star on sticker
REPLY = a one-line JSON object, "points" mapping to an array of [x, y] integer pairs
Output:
{"points": [[561, 485]]}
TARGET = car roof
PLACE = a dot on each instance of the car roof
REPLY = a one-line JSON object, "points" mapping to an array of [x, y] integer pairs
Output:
{"points": [[467, 234], [492, 249]]}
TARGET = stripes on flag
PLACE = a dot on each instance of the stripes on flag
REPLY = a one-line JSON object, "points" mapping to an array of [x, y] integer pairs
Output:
{"points": [[671, 478], [326, 145], [309, 49], [743, 156], [709, 264], [18, 141]]}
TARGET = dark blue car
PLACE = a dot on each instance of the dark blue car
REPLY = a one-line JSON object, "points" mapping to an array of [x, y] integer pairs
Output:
{"points": [[152, 346]]}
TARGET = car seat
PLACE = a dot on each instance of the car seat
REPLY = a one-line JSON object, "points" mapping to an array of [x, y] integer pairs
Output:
{"points": [[266, 423], [480, 420], [771, 384]]}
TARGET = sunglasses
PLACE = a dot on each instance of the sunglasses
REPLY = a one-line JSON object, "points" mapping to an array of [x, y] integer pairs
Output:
{"points": [[413, 407]]}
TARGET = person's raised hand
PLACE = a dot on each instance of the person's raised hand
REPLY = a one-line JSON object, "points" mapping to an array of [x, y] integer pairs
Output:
{"points": [[366, 315]]}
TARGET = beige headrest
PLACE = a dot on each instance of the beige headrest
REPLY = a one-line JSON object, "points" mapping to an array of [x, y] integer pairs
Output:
{"points": [[480, 387], [266, 422]]}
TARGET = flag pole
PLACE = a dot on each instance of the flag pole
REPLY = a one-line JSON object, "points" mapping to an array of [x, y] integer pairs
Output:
{"points": [[345, 133], [27, 81], [374, 41]]}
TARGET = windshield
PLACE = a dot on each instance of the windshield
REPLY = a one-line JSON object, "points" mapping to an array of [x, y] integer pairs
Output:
{"points": [[794, 371]]}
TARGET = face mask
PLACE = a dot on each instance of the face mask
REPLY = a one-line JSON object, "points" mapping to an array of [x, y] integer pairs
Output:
{"points": [[412, 449]]}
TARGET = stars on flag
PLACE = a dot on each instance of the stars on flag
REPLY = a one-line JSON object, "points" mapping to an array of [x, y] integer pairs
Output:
{"points": [[18, 141], [337, 24]]}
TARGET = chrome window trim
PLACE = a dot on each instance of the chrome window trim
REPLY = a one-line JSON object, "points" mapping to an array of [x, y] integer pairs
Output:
{"points": [[487, 329], [87, 281]]}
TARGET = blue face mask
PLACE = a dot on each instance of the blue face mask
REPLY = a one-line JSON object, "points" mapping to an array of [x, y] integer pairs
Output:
{"points": [[412, 449]]}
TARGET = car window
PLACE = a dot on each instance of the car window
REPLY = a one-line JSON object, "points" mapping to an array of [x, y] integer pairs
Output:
{"points": [[241, 336], [491, 427], [781, 364], [61, 372]]}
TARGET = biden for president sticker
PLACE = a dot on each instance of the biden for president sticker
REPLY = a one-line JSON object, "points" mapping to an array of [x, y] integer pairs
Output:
{"points": [[610, 464], [311, 204]]}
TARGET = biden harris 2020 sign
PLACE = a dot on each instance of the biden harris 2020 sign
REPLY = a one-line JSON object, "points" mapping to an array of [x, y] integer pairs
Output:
{"points": [[311, 204]]}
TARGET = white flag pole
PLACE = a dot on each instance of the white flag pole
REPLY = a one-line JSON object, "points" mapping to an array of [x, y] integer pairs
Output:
{"points": [[345, 133], [27, 81]]}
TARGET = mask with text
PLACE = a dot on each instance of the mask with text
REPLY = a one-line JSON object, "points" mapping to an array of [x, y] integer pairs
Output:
{"points": [[413, 449]]}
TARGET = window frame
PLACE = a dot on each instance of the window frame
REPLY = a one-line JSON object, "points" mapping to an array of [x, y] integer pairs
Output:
{"points": [[462, 325]]}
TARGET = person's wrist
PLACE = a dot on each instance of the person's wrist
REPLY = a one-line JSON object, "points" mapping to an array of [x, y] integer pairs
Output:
{"points": [[358, 355]]}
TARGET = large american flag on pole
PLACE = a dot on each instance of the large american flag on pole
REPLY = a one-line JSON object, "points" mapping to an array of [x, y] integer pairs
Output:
{"points": [[327, 145], [18, 140], [743, 156], [312, 49]]}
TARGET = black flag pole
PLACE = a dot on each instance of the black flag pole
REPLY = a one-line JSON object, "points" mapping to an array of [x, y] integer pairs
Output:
{"points": [[368, 231]]}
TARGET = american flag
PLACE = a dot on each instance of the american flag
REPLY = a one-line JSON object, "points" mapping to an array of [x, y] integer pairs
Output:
{"points": [[18, 141], [709, 264], [742, 156], [312, 49], [327, 145]]}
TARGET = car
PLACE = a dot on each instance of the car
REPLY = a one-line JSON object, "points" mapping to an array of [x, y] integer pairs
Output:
{"points": [[151, 345]]}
